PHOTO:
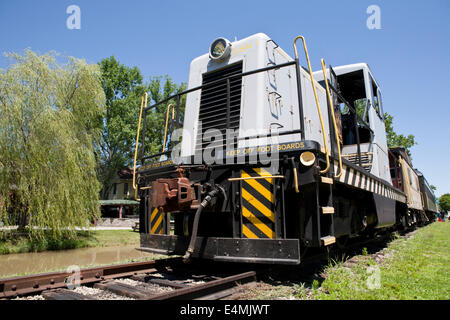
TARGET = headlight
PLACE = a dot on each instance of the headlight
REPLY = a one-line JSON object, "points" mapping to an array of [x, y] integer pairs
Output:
{"points": [[307, 158], [220, 49]]}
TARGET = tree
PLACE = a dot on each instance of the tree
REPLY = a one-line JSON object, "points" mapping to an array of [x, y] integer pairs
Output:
{"points": [[360, 107], [48, 116], [161, 88], [432, 187], [123, 87], [397, 140], [444, 202]]}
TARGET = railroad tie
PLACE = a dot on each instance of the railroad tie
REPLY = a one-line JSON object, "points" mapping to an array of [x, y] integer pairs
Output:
{"points": [[167, 283], [123, 289], [65, 294]]}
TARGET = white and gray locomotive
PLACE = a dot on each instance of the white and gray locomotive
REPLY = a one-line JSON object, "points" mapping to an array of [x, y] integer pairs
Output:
{"points": [[272, 158]]}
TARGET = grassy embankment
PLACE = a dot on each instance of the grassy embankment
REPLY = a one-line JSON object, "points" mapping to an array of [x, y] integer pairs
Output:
{"points": [[410, 268], [12, 242]]}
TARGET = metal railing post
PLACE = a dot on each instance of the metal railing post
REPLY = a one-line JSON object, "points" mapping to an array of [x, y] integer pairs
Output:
{"points": [[316, 99], [228, 102], [178, 123]]}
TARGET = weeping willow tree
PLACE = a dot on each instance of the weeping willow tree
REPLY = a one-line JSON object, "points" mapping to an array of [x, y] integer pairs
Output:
{"points": [[50, 115]]}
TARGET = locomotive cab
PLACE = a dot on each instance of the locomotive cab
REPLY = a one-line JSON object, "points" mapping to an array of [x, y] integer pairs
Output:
{"points": [[362, 132]]}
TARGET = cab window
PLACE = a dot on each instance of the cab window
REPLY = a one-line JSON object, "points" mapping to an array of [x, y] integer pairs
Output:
{"points": [[353, 89], [376, 98]]}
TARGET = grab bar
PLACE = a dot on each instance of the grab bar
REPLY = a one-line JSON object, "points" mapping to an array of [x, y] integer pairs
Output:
{"points": [[316, 98], [165, 129], [144, 97], [334, 118]]}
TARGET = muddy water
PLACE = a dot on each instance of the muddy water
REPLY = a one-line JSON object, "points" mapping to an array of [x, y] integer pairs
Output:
{"points": [[40, 262]]}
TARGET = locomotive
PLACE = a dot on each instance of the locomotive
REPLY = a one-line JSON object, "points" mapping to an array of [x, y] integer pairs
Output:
{"points": [[271, 159]]}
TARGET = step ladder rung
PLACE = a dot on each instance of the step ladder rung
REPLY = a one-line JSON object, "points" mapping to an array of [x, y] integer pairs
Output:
{"points": [[327, 210], [326, 241], [326, 180]]}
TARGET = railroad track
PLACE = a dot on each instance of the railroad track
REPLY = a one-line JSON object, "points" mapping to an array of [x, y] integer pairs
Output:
{"points": [[165, 279]]}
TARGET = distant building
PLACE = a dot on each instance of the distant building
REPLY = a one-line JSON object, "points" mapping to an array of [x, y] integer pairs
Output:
{"points": [[122, 187], [120, 201]]}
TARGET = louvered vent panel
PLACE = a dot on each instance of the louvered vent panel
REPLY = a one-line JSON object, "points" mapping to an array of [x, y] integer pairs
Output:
{"points": [[213, 105], [366, 159]]}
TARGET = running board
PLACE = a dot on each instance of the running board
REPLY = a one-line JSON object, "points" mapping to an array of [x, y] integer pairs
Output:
{"points": [[326, 180], [326, 241], [327, 210]]}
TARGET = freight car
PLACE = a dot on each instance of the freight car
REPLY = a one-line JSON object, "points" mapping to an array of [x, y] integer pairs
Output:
{"points": [[270, 159]]}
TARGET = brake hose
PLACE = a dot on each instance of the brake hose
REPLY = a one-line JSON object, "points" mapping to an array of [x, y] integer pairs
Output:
{"points": [[211, 195]]}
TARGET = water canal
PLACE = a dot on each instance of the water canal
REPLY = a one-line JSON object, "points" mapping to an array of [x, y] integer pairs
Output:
{"points": [[47, 261]]}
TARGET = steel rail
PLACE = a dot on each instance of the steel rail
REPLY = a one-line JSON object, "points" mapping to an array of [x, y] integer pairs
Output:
{"points": [[33, 284], [207, 288], [54, 285]]}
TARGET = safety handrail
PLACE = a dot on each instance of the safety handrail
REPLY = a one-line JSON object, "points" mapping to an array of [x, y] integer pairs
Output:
{"points": [[215, 82], [208, 85], [144, 97], [167, 122], [316, 98], [338, 143], [256, 178]]}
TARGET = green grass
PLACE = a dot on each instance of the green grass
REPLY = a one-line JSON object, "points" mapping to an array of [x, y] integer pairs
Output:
{"points": [[12, 242], [102, 238], [416, 268], [413, 268]]}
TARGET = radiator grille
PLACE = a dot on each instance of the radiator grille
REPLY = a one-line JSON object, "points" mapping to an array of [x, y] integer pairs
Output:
{"points": [[366, 159], [213, 106]]}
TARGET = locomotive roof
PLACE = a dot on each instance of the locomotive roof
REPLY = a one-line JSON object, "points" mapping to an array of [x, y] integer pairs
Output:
{"points": [[348, 68]]}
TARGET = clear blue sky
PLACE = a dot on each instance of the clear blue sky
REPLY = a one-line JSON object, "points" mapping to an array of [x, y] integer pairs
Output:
{"points": [[409, 55]]}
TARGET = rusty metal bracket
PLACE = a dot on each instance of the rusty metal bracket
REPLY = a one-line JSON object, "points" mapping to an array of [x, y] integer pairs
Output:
{"points": [[173, 194]]}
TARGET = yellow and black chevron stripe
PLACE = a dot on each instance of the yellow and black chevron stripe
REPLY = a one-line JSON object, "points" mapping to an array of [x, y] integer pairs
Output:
{"points": [[157, 222], [258, 216]]}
